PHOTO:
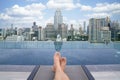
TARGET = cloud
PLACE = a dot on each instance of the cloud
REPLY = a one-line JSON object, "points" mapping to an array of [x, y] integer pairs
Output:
{"points": [[4, 16], [29, 10], [31, 0], [23, 14], [35, 12], [98, 15], [106, 7], [63, 4], [63, 1], [116, 12], [100, 7], [102, 10], [49, 20], [84, 7]]}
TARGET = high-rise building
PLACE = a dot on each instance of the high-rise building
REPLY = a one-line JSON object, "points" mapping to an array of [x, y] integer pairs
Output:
{"points": [[26, 34], [4, 33], [40, 34], [81, 31], [35, 27], [115, 30], [58, 19], [49, 32], [15, 31], [71, 32], [35, 30], [20, 32], [11, 30], [95, 28], [84, 23], [105, 34], [31, 34], [1, 34], [62, 30], [88, 30]]}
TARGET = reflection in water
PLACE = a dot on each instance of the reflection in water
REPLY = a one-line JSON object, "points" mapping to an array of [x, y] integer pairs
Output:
{"points": [[58, 38], [77, 53], [118, 52], [58, 45]]}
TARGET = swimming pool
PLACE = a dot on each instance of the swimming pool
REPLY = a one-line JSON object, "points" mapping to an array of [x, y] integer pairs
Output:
{"points": [[41, 53]]}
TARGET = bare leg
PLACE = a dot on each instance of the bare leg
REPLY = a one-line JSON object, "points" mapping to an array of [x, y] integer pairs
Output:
{"points": [[59, 66]]}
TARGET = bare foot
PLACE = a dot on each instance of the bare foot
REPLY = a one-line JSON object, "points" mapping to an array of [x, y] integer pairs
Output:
{"points": [[57, 58], [63, 63]]}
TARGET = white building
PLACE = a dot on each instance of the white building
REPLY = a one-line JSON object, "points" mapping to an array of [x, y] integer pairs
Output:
{"points": [[20, 38], [26, 34], [20, 32], [31, 34], [58, 19], [105, 34], [12, 38], [62, 30], [95, 28], [49, 32], [40, 34]]}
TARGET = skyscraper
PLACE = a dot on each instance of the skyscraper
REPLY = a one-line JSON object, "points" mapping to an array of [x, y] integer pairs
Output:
{"points": [[58, 19], [84, 23], [40, 33], [115, 29], [1, 34], [26, 33], [95, 28], [62, 30], [35, 30], [35, 27], [71, 32], [49, 32]]}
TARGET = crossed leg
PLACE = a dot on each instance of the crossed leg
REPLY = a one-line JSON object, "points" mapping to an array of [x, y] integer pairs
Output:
{"points": [[59, 67]]}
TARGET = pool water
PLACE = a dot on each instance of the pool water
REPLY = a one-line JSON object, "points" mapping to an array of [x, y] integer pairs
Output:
{"points": [[41, 53]]}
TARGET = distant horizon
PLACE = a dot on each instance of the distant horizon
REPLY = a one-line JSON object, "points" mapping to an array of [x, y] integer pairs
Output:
{"points": [[24, 13]]}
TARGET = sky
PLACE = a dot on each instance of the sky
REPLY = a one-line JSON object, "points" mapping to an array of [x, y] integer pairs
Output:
{"points": [[22, 13]]}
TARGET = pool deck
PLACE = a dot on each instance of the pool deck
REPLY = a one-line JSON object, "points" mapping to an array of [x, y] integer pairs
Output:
{"points": [[75, 72]]}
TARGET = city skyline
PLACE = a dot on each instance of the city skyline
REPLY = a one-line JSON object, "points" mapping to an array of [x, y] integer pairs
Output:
{"points": [[24, 13]]}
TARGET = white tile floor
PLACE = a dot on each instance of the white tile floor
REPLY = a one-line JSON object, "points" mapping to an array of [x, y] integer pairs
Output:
{"points": [[115, 75], [14, 75], [105, 72]]}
